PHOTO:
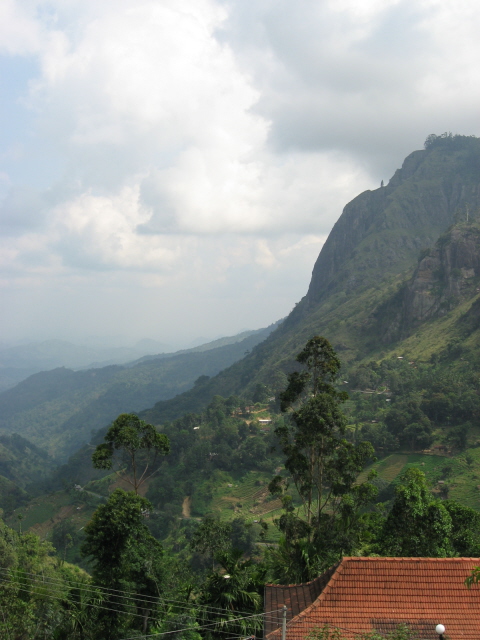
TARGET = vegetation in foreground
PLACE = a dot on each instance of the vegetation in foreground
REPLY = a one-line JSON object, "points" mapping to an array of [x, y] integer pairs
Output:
{"points": [[206, 577], [208, 533]]}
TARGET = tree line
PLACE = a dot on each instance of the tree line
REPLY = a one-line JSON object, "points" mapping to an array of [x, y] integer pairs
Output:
{"points": [[205, 577]]}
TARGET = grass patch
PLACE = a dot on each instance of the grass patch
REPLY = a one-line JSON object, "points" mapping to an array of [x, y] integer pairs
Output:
{"points": [[388, 468], [40, 510], [250, 499]]}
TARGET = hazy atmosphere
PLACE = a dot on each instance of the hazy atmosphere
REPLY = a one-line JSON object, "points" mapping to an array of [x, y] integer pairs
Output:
{"points": [[171, 168]]}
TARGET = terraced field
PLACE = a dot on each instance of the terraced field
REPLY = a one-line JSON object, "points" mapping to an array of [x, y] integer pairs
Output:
{"points": [[392, 466], [458, 476], [42, 514], [249, 499]]}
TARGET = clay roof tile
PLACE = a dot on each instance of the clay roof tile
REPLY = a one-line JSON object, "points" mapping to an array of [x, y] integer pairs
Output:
{"points": [[363, 594]]}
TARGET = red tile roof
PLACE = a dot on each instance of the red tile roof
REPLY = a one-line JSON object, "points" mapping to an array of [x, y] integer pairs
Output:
{"points": [[296, 597], [366, 594]]}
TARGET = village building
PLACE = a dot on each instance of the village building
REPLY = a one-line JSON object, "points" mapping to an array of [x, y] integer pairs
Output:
{"points": [[361, 595]]}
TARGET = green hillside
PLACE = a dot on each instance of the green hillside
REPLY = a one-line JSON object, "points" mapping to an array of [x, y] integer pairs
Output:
{"points": [[396, 290], [362, 276], [23, 468], [59, 409]]}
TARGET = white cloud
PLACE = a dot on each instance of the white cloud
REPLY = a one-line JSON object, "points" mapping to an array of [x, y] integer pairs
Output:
{"points": [[216, 192], [370, 78], [99, 232], [209, 145], [20, 33], [155, 119]]}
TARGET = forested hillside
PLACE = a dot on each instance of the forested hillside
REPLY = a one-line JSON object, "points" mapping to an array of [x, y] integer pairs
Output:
{"points": [[352, 429], [361, 295], [58, 410]]}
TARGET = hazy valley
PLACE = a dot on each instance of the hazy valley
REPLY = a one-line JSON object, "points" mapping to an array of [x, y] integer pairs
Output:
{"points": [[396, 292]]}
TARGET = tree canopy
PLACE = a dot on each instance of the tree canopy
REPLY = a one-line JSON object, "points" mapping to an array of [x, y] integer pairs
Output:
{"points": [[133, 445], [321, 466], [127, 558], [418, 525]]}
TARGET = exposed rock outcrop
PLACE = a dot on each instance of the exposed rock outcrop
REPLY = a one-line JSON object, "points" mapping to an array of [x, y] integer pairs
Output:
{"points": [[446, 275], [381, 232], [443, 276]]}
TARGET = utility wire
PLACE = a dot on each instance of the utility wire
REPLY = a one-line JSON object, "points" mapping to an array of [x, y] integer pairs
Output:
{"points": [[205, 626], [21, 587], [92, 588], [130, 595], [61, 596], [154, 620], [216, 624]]}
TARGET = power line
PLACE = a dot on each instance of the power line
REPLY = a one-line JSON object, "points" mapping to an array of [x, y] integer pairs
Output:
{"points": [[42, 583], [192, 628], [54, 596], [154, 620], [216, 624], [205, 626], [92, 588], [20, 587]]}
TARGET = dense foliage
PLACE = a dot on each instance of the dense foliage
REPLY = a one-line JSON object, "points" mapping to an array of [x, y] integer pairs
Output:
{"points": [[223, 442], [322, 465], [400, 404]]}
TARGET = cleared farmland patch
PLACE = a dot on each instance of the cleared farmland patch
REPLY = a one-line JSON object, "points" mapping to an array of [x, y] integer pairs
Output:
{"points": [[388, 468]]}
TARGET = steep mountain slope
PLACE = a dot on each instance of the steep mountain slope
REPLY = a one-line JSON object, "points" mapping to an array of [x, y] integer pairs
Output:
{"points": [[380, 232], [447, 275], [22, 465], [397, 281], [59, 409], [372, 249]]}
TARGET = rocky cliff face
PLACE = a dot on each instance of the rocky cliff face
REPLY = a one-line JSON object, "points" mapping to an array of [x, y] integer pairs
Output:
{"points": [[381, 232], [444, 276], [374, 245]]}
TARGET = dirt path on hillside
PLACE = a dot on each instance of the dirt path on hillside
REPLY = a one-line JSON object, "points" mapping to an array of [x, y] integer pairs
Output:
{"points": [[186, 504]]}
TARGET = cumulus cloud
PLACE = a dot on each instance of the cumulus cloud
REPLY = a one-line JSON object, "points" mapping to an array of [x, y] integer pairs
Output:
{"points": [[20, 33], [207, 146], [99, 232], [370, 78]]}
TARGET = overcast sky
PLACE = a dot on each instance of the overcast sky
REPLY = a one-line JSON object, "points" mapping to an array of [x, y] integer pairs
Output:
{"points": [[171, 168]]}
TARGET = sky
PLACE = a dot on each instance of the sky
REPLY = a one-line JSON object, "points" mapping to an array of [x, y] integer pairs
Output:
{"points": [[170, 169]]}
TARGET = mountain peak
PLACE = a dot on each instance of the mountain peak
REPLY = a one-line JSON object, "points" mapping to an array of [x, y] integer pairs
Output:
{"points": [[380, 232]]}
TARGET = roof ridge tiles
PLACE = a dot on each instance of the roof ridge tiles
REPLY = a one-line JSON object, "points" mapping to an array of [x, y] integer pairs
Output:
{"points": [[297, 584], [344, 584], [321, 597], [408, 558], [301, 584]]}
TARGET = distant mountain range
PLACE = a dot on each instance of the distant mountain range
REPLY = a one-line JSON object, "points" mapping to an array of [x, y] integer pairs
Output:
{"points": [[362, 296], [59, 409], [19, 362]]}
